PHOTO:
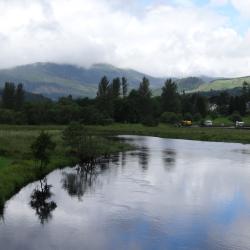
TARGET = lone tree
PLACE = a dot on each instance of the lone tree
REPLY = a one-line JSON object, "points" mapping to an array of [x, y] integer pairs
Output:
{"points": [[8, 98], [19, 96], [170, 97], [42, 148]]}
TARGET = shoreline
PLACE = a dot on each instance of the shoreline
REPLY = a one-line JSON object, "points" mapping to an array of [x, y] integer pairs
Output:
{"points": [[18, 169]]}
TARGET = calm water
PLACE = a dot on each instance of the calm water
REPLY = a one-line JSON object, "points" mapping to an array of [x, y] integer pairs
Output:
{"points": [[167, 194]]}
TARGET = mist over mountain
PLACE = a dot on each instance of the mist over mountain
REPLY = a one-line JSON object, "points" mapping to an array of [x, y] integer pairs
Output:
{"points": [[55, 80]]}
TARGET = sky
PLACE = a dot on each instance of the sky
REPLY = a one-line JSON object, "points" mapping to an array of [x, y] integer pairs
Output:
{"points": [[158, 37]]}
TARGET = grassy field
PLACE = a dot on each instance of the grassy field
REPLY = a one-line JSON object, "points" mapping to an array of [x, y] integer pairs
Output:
{"points": [[165, 131]]}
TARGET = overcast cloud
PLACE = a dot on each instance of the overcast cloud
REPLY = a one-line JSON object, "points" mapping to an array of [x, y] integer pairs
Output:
{"points": [[162, 38]]}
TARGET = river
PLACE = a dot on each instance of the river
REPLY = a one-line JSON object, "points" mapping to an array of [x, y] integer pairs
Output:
{"points": [[166, 194]]}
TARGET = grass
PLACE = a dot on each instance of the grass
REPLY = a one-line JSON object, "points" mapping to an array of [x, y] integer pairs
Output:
{"points": [[4, 162], [167, 131]]}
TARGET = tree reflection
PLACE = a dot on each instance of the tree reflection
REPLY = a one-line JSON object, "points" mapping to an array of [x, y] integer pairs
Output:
{"points": [[169, 158], [143, 157], [123, 159], [41, 201], [78, 182], [1, 212]]}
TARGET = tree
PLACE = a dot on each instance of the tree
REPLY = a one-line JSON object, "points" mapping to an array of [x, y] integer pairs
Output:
{"points": [[80, 143], [104, 100], [19, 97], [201, 106], [124, 87], [103, 87], [144, 90], [170, 97], [115, 88], [8, 97], [42, 148]]}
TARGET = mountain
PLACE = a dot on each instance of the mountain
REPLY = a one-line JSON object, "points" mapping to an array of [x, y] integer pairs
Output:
{"points": [[223, 84], [55, 80]]}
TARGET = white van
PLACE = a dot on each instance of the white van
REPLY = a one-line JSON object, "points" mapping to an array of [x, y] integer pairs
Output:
{"points": [[239, 124], [208, 123]]}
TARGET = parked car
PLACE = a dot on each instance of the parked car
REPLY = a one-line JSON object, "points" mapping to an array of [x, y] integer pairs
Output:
{"points": [[208, 123], [239, 124]]}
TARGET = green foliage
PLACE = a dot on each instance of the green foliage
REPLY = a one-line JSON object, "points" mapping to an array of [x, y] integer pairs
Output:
{"points": [[144, 90], [19, 97], [170, 97], [8, 97], [42, 148], [150, 121], [197, 117], [236, 117], [170, 117]]}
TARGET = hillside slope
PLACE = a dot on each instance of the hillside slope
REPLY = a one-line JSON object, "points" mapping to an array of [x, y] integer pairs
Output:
{"points": [[56, 80], [223, 84]]}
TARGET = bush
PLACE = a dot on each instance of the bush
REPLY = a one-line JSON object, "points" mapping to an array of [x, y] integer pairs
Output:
{"points": [[170, 117], [197, 117], [236, 117], [150, 121], [213, 115], [42, 148], [107, 121]]}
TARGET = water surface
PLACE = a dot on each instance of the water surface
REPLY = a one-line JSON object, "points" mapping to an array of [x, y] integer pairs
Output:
{"points": [[167, 194]]}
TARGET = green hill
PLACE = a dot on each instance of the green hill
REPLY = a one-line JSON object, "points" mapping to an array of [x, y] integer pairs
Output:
{"points": [[56, 80], [222, 84]]}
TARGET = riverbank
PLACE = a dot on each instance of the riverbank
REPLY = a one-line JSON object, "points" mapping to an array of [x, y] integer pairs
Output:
{"points": [[17, 168], [167, 131]]}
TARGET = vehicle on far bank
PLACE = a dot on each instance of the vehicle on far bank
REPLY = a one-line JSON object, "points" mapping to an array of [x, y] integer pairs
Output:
{"points": [[239, 124], [186, 123], [208, 123]]}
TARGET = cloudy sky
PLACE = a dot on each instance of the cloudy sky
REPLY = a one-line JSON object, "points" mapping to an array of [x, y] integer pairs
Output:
{"points": [[158, 37]]}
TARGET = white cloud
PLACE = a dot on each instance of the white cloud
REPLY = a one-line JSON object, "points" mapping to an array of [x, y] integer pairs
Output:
{"points": [[160, 39]]}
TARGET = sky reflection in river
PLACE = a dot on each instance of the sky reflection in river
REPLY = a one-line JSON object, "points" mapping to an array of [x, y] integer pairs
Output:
{"points": [[168, 194]]}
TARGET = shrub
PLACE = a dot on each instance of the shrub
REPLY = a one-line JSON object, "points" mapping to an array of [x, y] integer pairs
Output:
{"points": [[42, 148], [150, 121], [197, 117], [107, 121], [170, 117], [236, 117]]}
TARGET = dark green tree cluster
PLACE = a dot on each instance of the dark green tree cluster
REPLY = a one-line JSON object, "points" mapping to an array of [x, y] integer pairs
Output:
{"points": [[114, 102], [13, 96]]}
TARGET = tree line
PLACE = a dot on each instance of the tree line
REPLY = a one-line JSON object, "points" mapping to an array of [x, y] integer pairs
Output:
{"points": [[114, 102]]}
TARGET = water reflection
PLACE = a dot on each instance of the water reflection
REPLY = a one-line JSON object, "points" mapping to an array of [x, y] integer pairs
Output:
{"points": [[1, 212], [81, 179], [193, 195], [143, 156], [78, 182], [169, 158], [41, 201]]}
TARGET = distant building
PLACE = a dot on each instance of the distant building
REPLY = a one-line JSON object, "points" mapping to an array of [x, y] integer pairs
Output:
{"points": [[212, 107], [248, 106]]}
